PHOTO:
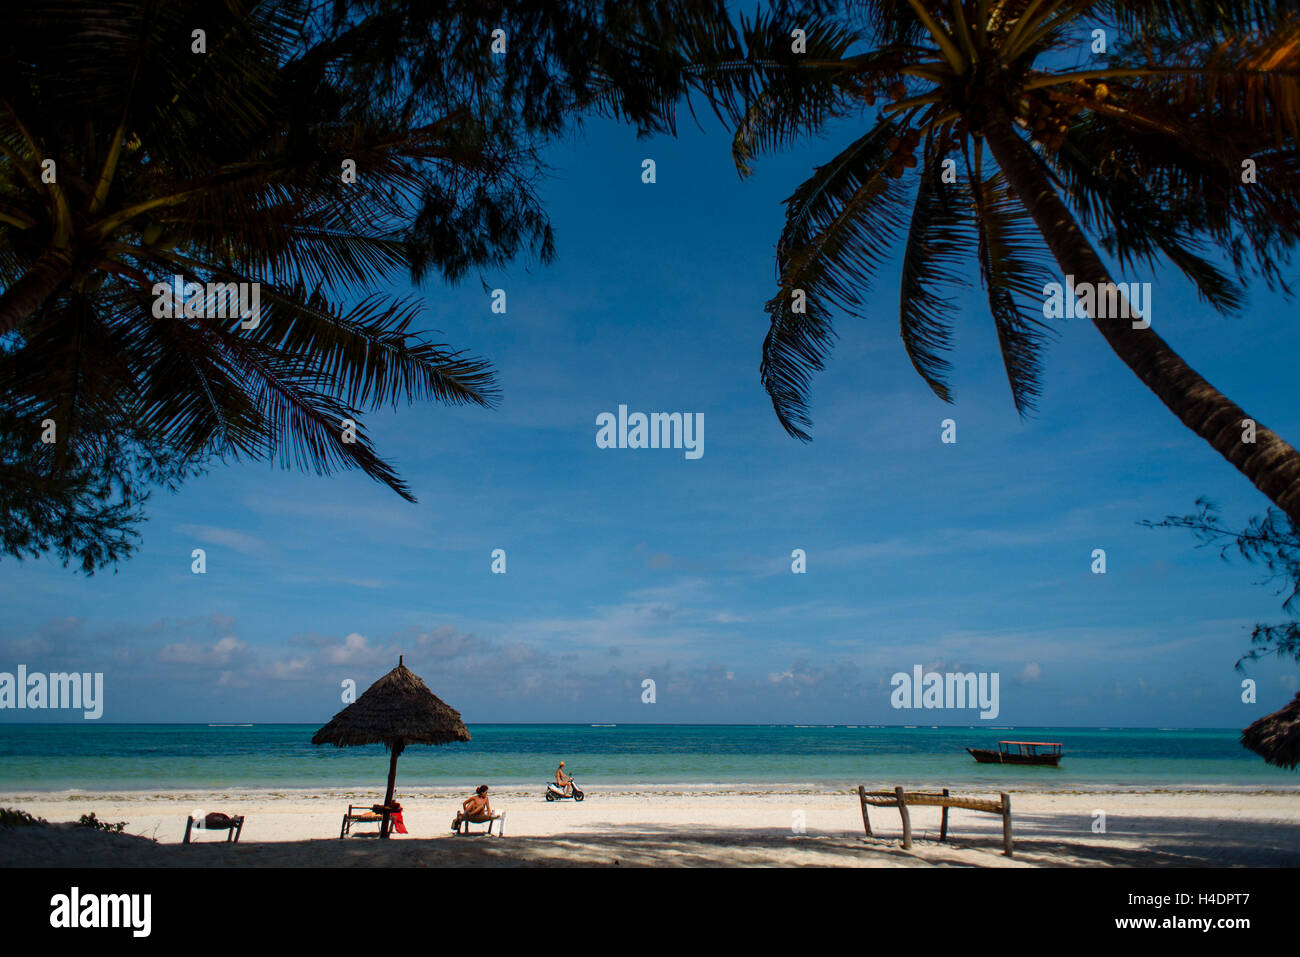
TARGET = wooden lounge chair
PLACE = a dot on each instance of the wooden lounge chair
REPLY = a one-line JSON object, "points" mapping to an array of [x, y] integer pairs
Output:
{"points": [[499, 820], [359, 814], [233, 826]]}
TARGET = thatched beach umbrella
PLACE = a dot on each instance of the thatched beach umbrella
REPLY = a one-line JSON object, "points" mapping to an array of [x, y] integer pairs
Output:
{"points": [[1276, 737], [395, 711]]}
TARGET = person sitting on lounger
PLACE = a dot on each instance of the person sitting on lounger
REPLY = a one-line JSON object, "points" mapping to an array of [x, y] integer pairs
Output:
{"points": [[475, 809], [562, 780]]}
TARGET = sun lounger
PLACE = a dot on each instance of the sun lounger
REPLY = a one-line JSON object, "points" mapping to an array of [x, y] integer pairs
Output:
{"points": [[499, 820], [233, 826], [372, 814]]}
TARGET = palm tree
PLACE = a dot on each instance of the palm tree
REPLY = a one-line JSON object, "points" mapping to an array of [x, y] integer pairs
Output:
{"points": [[312, 151], [991, 141], [131, 157]]}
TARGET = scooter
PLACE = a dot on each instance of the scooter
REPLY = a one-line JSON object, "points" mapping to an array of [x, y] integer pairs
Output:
{"points": [[556, 793]]}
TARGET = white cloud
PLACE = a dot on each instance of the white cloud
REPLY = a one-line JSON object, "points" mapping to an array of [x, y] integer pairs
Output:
{"points": [[220, 653], [355, 647], [231, 538]]}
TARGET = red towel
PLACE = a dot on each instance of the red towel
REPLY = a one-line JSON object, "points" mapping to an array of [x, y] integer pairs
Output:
{"points": [[394, 816]]}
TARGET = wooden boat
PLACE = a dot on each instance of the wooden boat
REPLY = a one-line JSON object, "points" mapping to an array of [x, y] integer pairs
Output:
{"points": [[1020, 752]]}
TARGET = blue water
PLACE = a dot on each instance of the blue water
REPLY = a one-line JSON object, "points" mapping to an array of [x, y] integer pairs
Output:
{"points": [[136, 756]]}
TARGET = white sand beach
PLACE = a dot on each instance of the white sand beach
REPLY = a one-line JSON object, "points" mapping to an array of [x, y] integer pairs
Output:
{"points": [[665, 825]]}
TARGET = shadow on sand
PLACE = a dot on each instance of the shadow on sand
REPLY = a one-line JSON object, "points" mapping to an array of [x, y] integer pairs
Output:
{"points": [[1041, 840]]}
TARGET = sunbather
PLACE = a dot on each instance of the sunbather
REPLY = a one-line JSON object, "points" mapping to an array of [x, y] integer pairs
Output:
{"points": [[476, 809]]}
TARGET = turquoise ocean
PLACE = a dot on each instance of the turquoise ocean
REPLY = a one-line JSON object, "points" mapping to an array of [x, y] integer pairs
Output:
{"points": [[97, 757]]}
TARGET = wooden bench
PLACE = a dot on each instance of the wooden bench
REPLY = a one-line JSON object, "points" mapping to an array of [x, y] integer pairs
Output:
{"points": [[232, 829], [943, 799]]}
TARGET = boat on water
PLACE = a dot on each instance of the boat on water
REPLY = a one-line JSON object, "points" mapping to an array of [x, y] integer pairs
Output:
{"points": [[1020, 752]]}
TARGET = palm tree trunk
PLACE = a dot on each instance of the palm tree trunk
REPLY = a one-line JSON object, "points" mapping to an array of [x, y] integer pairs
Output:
{"points": [[1269, 462], [51, 269]]}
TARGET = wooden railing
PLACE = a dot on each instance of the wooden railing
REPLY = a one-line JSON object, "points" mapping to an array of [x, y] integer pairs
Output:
{"points": [[942, 799]]}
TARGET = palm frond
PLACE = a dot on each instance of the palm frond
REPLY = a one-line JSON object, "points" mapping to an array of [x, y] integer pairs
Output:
{"points": [[1144, 196], [776, 96], [839, 225], [1196, 18], [1014, 269], [939, 234]]}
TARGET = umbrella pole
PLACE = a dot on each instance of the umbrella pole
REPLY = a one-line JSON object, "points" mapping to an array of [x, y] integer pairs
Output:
{"points": [[397, 748]]}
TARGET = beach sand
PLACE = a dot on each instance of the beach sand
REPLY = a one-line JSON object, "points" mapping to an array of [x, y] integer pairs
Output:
{"points": [[665, 825]]}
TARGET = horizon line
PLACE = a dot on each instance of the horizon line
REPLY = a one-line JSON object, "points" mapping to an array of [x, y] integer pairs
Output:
{"points": [[644, 724]]}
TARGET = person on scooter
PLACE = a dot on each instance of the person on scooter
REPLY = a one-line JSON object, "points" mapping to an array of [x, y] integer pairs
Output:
{"points": [[563, 781]]}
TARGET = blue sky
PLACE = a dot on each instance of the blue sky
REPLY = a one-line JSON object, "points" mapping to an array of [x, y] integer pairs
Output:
{"points": [[632, 564]]}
